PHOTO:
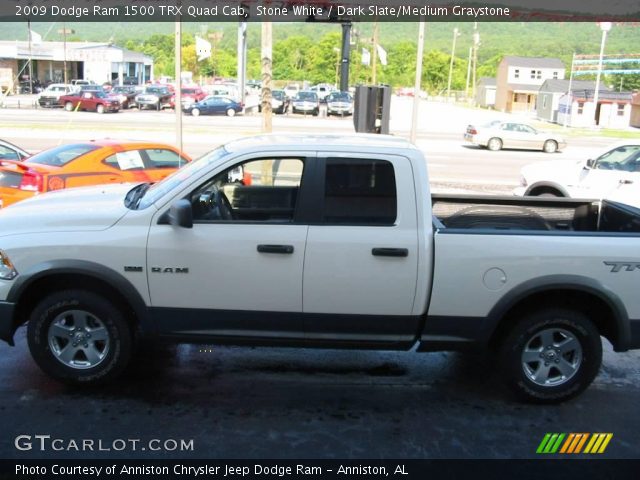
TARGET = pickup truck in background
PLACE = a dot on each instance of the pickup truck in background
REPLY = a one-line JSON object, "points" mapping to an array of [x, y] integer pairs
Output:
{"points": [[323, 241], [90, 100], [612, 173]]}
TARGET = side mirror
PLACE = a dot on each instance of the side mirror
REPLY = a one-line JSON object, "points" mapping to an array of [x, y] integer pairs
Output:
{"points": [[180, 214], [591, 163]]}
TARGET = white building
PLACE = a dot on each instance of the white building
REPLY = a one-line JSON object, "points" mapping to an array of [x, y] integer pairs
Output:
{"points": [[579, 110], [98, 62]]}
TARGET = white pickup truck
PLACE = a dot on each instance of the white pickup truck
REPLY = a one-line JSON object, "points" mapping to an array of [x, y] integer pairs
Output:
{"points": [[327, 241]]}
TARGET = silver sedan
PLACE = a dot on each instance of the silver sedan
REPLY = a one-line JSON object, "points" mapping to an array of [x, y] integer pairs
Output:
{"points": [[498, 135]]}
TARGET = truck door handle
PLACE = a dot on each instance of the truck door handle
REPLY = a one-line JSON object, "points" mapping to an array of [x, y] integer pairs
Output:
{"points": [[286, 249], [390, 252]]}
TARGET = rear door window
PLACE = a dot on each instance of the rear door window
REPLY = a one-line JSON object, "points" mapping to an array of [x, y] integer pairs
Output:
{"points": [[359, 192]]}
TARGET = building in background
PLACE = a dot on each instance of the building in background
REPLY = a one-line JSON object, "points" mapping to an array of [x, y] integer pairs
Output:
{"points": [[551, 91], [97, 62], [519, 79], [578, 109], [486, 92]]}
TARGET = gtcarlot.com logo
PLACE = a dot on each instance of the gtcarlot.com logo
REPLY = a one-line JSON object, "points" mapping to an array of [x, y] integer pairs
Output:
{"points": [[574, 443]]}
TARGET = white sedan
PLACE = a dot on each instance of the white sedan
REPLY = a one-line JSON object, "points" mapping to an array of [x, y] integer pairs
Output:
{"points": [[497, 135]]}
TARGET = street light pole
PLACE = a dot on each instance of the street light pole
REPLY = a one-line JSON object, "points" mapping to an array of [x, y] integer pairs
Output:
{"points": [[418, 84], [456, 34], [605, 27]]}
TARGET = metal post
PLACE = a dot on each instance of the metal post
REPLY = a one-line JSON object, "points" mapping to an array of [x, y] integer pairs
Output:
{"points": [[267, 51], [30, 61], [418, 83], [453, 53], [178, 74], [346, 51], [569, 94], [64, 40], [605, 27]]}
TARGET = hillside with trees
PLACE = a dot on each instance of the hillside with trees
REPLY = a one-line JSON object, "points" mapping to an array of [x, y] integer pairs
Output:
{"points": [[306, 51]]}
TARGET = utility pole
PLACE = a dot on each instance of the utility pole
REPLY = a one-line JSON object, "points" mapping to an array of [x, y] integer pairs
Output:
{"points": [[374, 56], [242, 59], [267, 51], [178, 74], [418, 84], [476, 44], [569, 93], [466, 88], [65, 31], [453, 53]]}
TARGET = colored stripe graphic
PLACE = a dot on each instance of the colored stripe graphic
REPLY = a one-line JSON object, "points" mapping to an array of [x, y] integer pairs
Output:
{"points": [[550, 443], [573, 443]]}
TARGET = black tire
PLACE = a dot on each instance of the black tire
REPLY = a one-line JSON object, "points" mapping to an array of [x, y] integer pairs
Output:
{"points": [[68, 107], [100, 108], [118, 334], [522, 340]]}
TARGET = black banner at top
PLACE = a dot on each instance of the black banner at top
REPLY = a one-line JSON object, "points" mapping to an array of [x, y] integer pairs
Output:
{"points": [[318, 10]]}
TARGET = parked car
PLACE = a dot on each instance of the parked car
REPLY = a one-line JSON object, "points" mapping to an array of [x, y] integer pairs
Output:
{"points": [[50, 96], [90, 100], [214, 105], [155, 96], [126, 95], [90, 163], [291, 90], [279, 102], [322, 90], [339, 103], [497, 135], [353, 252], [78, 83], [191, 95], [306, 102], [613, 172], [9, 151]]}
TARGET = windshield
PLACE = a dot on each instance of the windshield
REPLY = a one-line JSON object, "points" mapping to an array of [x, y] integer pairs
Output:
{"points": [[277, 94], [307, 96], [161, 91], [157, 190], [59, 156], [340, 97], [189, 91]]}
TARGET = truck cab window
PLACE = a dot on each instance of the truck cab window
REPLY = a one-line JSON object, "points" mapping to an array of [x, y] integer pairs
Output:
{"points": [[360, 192], [264, 190]]}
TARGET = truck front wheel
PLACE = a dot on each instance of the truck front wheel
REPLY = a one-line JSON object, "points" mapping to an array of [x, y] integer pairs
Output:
{"points": [[79, 337], [552, 355]]}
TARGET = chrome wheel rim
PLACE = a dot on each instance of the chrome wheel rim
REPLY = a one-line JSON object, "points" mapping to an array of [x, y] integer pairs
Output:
{"points": [[551, 357], [78, 339], [495, 144]]}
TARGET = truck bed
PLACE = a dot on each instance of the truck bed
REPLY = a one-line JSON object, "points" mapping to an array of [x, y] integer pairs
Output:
{"points": [[537, 214]]}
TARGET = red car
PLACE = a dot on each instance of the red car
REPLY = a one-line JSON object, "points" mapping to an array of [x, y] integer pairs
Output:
{"points": [[91, 100], [191, 95]]}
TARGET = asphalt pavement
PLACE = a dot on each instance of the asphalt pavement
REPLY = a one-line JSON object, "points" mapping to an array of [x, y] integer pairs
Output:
{"points": [[303, 403]]}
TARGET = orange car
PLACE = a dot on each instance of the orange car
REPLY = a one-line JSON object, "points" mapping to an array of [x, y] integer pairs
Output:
{"points": [[83, 164]]}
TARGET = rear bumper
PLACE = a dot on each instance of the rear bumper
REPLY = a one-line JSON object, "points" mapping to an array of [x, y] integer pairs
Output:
{"points": [[7, 310]]}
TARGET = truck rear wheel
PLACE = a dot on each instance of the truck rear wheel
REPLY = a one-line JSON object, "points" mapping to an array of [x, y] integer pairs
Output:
{"points": [[79, 337], [552, 355]]}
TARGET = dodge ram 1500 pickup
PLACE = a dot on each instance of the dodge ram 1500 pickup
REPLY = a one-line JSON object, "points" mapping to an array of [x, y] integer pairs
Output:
{"points": [[323, 241]]}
